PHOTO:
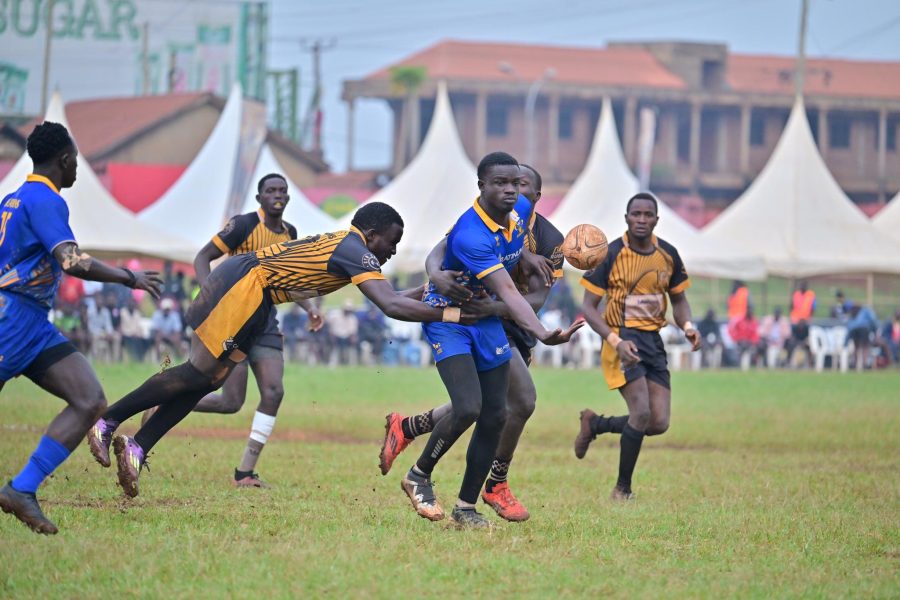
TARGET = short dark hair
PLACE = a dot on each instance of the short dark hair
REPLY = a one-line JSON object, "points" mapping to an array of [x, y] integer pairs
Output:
{"points": [[643, 196], [538, 180], [376, 215], [495, 159], [47, 141], [265, 178]]}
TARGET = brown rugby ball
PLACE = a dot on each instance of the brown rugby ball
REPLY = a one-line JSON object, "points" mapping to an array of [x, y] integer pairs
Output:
{"points": [[585, 247]]}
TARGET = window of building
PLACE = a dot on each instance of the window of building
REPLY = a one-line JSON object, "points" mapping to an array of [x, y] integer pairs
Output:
{"points": [[713, 74], [757, 129], [497, 119], [684, 136], [838, 131], [812, 117], [566, 114], [892, 135]]}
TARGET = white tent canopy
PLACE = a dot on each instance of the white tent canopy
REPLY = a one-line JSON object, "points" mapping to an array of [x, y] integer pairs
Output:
{"points": [[100, 224], [300, 212], [195, 206], [605, 184], [888, 219], [432, 192], [797, 216]]}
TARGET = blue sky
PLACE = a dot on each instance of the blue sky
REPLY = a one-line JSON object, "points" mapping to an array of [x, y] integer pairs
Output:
{"points": [[367, 35]]}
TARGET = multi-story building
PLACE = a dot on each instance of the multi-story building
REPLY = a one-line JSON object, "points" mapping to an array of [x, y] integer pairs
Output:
{"points": [[718, 115]]}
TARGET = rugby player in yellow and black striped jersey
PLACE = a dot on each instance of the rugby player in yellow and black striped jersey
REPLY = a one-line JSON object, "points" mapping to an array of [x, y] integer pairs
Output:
{"points": [[632, 283], [231, 311], [248, 233]]}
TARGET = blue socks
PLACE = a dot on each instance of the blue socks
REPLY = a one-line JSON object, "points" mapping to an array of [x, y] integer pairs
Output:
{"points": [[48, 455]]}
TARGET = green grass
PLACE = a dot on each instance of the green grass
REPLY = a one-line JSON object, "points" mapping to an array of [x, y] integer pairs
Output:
{"points": [[767, 485]]}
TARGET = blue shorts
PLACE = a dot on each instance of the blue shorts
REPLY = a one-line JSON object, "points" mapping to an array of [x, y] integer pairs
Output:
{"points": [[25, 332], [485, 341]]}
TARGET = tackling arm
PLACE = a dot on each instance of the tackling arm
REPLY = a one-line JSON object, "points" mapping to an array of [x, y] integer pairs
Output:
{"points": [[78, 263], [203, 260]]}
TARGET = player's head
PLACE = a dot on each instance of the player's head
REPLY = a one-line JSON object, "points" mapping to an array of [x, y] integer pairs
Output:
{"points": [[498, 181], [530, 182], [53, 153], [641, 215], [382, 226], [273, 194]]}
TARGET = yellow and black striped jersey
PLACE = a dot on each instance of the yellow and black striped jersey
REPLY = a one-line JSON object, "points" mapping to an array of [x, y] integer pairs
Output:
{"points": [[545, 239], [317, 265], [248, 233], [636, 284]]}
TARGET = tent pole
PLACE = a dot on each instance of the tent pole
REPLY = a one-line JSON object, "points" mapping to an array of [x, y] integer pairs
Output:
{"points": [[870, 290]]}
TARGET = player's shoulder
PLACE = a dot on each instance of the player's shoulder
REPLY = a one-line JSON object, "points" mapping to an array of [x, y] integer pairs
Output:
{"points": [[666, 246], [292, 231], [614, 248], [547, 229], [250, 218]]}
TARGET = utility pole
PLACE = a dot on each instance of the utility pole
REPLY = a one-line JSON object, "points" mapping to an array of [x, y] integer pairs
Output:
{"points": [[285, 86], [313, 116], [800, 74], [45, 78], [145, 59]]}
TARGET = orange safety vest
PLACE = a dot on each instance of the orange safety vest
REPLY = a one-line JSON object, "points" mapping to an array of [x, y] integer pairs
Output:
{"points": [[737, 304], [802, 305]]}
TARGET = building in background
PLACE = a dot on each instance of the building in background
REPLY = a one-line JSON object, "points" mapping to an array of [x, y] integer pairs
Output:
{"points": [[716, 116]]}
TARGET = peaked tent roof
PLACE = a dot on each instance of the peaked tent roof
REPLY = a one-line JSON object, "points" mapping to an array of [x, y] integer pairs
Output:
{"points": [[300, 212], [598, 197], [100, 224], [195, 206], [432, 192], [888, 219], [798, 217]]}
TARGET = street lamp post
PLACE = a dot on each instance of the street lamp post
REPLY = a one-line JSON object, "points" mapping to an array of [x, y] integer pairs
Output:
{"points": [[530, 102]]}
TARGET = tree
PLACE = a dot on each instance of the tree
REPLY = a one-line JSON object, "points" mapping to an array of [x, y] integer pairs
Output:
{"points": [[406, 80]]}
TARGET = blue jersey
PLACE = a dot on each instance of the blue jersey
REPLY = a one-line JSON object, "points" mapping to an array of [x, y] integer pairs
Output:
{"points": [[33, 221], [478, 246]]}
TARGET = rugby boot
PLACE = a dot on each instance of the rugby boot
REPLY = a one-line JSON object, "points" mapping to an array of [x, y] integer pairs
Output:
{"points": [[618, 494], [586, 434], [99, 439], [24, 506], [421, 493], [242, 480], [502, 500], [468, 518], [130, 460], [394, 441]]}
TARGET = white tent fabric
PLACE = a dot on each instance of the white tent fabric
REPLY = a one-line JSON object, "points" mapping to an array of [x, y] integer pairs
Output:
{"points": [[432, 192], [194, 207], [888, 219], [100, 224], [300, 212], [599, 195], [797, 216]]}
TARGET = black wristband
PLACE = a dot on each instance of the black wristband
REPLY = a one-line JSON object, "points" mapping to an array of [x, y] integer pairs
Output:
{"points": [[132, 278]]}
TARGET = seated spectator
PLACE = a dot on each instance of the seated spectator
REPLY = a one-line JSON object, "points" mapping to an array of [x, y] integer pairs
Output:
{"points": [[890, 334], [775, 331], [131, 327], [861, 327], [711, 351], [842, 306], [799, 339], [166, 329], [105, 340], [69, 322], [344, 327], [372, 329], [293, 326], [745, 334]]}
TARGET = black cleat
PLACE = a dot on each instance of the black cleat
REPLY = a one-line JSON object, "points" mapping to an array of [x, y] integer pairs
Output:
{"points": [[586, 434], [468, 518], [25, 507]]}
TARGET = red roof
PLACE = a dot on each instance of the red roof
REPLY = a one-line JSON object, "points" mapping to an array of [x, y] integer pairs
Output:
{"points": [[598, 66], [100, 124]]}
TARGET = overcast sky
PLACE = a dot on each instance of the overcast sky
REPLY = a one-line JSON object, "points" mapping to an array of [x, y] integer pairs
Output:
{"points": [[370, 34]]}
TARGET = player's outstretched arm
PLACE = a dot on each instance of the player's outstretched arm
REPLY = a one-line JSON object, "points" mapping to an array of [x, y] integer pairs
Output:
{"points": [[399, 307], [681, 310], [445, 281], [522, 313], [203, 260], [78, 263]]}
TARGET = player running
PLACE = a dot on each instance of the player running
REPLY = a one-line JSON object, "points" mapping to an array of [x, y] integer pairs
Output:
{"points": [[633, 281], [36, 246], [248, 233], [542, 239], [473, 360], [232, 311]]}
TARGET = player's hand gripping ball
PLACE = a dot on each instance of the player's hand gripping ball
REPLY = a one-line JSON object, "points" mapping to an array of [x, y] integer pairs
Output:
{"points": [[585, 247]]}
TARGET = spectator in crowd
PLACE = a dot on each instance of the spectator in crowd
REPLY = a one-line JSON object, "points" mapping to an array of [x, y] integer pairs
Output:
{"points": [[744, 331], [842, 306], [711, 333], [71, 292], [861, 327], [775, 331], [738, 301], [890, 335], [293, 327], [803, 305], [105, 339], [372, 330], [131, 327], [344, 327], [166, 329], [68, 319]]}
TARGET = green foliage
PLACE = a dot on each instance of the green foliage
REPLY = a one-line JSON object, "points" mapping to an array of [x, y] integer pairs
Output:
{"points": [[338, 205], [408, 78], [766, 486]]}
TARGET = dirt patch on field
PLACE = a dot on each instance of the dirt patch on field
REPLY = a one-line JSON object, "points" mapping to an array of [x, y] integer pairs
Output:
{"points": [[286, 435]]}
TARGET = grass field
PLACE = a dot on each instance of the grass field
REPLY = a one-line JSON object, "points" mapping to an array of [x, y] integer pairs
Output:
{"points": [[768, 485]]}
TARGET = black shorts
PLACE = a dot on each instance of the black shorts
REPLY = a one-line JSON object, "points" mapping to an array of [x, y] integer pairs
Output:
{"points": [[271, 337], [46, 359], [519, 339], [234, 308], [653, 363]]}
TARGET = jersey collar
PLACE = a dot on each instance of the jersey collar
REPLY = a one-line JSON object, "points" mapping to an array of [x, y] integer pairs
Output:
{"points": [[359, 233], [493, 225], [41, 179], [653, 240]]}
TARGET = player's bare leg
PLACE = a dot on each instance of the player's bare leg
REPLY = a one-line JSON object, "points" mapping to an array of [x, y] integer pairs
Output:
{"points": [[268, 368], [660, 408], [521, 399], [230, 399]]}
